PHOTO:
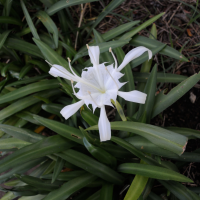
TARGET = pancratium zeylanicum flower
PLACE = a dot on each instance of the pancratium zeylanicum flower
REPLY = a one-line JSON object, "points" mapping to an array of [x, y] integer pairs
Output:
{"points": [[98, 85]]}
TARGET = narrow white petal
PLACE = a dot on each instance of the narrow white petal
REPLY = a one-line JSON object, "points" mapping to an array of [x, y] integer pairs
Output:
{"points": [[94, 53], [131, 55], [134, 96], [104, 126], [69, 110], [57, 70]]}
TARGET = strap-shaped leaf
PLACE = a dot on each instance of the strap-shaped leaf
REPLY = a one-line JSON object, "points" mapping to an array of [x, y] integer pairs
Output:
{"points": [[92, 166], [49, 24], [165, 139], [3, 37], [62, 129], [150, 90], [64, 4], [29, 20], [42, 148], [152, 172], [70, 187], [131, 33], [29, 89], [150, 43], [163, 101], [26, 102], [23, 46], [10, 20], [161, 77]]}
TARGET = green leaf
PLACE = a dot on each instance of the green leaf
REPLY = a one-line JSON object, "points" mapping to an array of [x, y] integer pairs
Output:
{"points": [[111, 6], [24, 47], [28, 116], [10, 143], [92, 166], [84, 193], [100, 154], [11, 121], [29, 89], [10, 20], [180, 191], [70, 187], [163, 101], [113, 33], [25, 70], [65, 176], [49, 24], [57, 168], [37, 182], [89, 117], [161, 77], [119, 110], [7, 7], [51, 55], [106, 192], [8, 196], [160, 137], [146, 66], [152, 172], [29, 20], [131, 33], [95, 196], [36, 197], [151, 44], [118, 30], [150, 90], [137, 186], [62, 129], [53, 108], [3, 37], [26, 102], [42, 65], [185, 131], [145, 145], [22, 168], [22, 134], [28, 80], [42, 148], [64, 4]]}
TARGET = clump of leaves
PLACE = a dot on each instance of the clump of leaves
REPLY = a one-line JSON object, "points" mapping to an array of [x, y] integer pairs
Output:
{"points": [[67, 158]]}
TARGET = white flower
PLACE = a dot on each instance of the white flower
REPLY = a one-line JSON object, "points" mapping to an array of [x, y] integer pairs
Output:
{"points": [[98, 85]]}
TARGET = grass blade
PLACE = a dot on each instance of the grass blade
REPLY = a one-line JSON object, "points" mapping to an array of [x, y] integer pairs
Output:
{"points": [[29, 20]]}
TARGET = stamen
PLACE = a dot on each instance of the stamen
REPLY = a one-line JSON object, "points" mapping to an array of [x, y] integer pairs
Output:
{"points": [[112, 78], [93, 99], [71, 67], [87, 46], [48, 63], [116, 65]]}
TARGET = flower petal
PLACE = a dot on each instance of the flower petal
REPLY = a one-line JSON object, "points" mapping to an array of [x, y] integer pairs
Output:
{"points": [[134, 96], [69, 110], [94, 53], [57, 70], [104, 126], [134, 53]]}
